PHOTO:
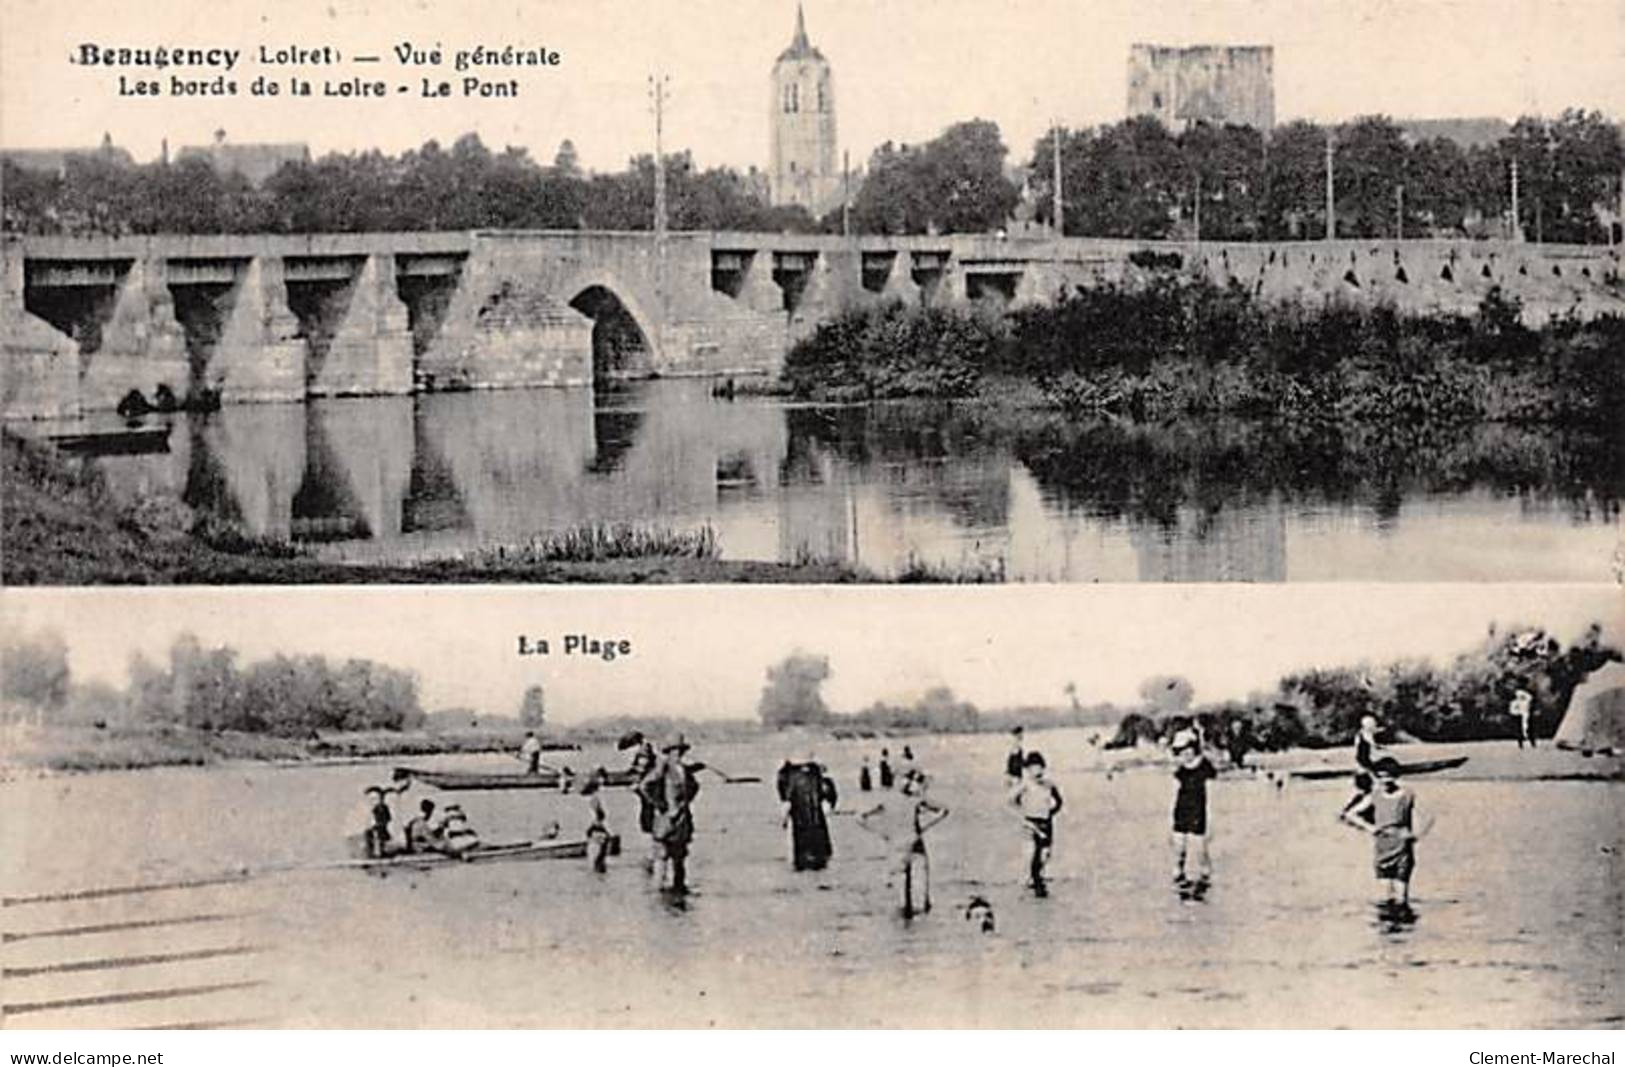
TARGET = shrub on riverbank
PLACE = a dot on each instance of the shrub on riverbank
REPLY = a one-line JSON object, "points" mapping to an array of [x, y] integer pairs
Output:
{"points": [[894, 351], [1177, 346]]}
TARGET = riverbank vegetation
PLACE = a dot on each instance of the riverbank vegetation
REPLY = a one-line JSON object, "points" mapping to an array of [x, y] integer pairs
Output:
{"points": [[1415, 700], [202, 706], [1176, 346]]}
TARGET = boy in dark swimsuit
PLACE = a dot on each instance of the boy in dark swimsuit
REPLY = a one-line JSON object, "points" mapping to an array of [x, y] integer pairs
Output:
{"points": [[1193, 773]]}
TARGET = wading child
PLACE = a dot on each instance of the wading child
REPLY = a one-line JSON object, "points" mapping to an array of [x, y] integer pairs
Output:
{"points": [[1193, 772], [1037, 801], [1389, 816], [904, 825], [598, 835]]}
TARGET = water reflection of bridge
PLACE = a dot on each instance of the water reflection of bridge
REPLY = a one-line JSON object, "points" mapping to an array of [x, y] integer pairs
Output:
{"points": [[403, 478]]}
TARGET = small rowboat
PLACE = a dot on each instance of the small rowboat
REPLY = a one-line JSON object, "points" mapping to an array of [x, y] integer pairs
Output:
{"points": [[513, 851], [503, 779], [114, 443], [1427, 766]]}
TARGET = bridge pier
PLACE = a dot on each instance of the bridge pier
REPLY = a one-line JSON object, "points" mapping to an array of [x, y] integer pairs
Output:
{"points": [[41, 362], [142, 342], [370, 351], [261, 355]]}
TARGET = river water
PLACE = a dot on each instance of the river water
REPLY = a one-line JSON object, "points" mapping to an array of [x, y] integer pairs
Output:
{"points": [[887, 487], [1517, 900]]}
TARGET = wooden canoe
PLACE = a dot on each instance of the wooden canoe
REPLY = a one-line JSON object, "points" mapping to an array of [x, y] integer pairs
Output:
{"points": [[1427, 766], [502, 779], [512, 851]]}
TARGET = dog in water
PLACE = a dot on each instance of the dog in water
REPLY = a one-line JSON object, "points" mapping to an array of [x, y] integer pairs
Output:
{"points": [[979, 911]]}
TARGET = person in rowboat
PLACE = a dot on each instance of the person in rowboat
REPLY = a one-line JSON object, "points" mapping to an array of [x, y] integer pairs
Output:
{"points": [[1367, 749], [455, 837], [377, 836], [422, 834]]}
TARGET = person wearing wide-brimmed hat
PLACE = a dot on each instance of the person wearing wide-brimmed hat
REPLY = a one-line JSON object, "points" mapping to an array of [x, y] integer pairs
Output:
{"points": [[670, 788]]}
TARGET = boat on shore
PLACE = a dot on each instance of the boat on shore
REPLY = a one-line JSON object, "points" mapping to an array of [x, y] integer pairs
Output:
{"points": [[504, 779], [514, 851], [1426, 766]]}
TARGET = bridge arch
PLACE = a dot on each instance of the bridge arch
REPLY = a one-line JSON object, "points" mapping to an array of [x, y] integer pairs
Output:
{"points": [[625, 337]]}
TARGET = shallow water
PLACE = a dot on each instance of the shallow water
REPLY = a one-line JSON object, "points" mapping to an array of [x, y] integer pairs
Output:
{"points": [[1517, 901], [1028, 497]]}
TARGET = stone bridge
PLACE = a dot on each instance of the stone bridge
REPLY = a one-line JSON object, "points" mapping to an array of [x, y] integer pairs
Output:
{"points": [[282, 318]]}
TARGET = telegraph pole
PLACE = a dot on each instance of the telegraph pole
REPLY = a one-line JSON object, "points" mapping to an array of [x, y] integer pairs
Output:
{"points": [[1517, 219], [1060, 227], [846, 193], [1331, 195], [658, 86]]}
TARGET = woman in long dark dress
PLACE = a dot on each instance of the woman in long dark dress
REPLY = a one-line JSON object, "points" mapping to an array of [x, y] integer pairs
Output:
{"points": [[805, 789]]}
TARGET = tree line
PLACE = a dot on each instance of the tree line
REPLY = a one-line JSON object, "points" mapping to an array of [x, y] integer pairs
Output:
{"points": [[1135, 179], [1467, 700], [429, 188], [1130, 179], [205, 688]]}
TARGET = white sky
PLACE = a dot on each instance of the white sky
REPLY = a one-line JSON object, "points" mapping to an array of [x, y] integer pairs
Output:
{"points": [[903, 68], [702, 652]]}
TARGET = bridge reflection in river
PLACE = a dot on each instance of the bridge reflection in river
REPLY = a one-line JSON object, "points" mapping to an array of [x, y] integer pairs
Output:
{"points": [[405, 478]]}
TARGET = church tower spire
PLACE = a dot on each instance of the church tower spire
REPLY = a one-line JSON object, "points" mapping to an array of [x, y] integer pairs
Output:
{"points": [[801, 119]]}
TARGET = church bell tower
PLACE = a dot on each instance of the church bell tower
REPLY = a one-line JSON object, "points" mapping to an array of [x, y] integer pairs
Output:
{"points": [[802, 120]]}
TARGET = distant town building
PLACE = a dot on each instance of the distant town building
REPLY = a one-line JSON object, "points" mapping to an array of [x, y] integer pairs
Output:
{"points": [[1217, 84], [55, 160], [256, 162], [802, 168]]}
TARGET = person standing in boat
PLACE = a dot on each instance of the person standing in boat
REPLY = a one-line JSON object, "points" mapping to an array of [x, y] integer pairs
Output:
{"points": [[1367, 749], [805, 789], [671, 788]]}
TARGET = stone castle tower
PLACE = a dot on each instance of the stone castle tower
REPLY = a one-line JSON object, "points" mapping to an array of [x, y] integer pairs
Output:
{"points": [[802, 123]]}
